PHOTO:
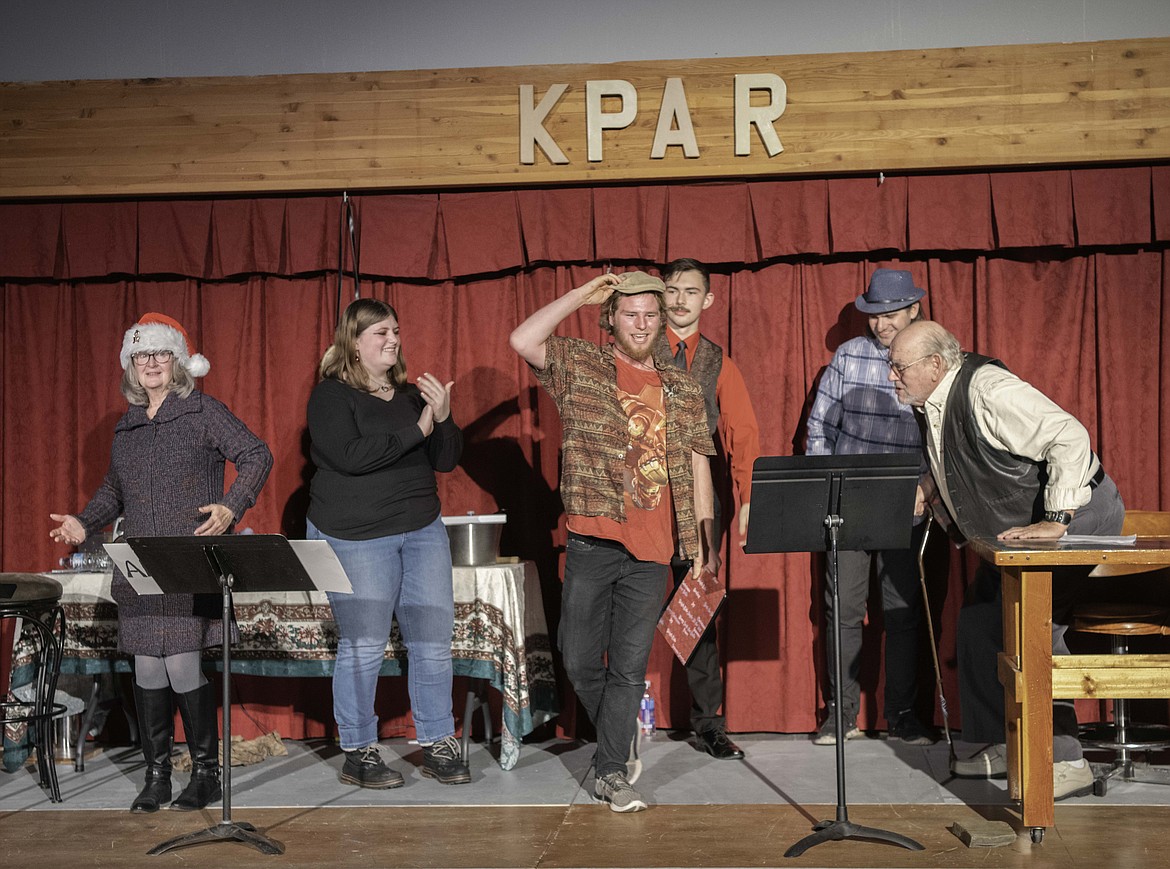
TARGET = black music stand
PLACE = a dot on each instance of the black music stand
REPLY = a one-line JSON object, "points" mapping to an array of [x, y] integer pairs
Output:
{"points": [[214, 564], [830, 503]]}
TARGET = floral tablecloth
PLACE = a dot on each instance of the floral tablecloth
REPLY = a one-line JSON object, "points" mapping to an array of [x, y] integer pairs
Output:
{"points": [[501, 636]]}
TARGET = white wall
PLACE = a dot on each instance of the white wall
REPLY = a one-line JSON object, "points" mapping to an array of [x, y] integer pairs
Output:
{"points": [[43, 40]]}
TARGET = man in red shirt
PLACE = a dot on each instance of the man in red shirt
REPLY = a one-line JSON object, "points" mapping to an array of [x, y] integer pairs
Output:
{"points": [[636, 485], [729, 411]]}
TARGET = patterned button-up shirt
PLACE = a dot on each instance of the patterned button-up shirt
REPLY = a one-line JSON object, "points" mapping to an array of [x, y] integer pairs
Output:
{"points": [[855, 410], [582, 379]]}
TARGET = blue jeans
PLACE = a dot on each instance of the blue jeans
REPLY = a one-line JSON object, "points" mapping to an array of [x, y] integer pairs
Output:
{"points": [[609, 611], [408, 575]]}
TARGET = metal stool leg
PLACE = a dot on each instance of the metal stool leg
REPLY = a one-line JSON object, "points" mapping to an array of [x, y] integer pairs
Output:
{"points": [[86, 723], [476, 699], [49, 635]]}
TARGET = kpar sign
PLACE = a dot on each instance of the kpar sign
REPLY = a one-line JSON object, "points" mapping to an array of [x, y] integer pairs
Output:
{"points": [[674, 128]]}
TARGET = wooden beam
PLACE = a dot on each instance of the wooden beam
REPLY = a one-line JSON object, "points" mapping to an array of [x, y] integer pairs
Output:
{"points": [[1132, 677], [956, 108]]}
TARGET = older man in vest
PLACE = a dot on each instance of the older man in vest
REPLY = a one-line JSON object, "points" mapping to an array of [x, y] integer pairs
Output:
{"points": [[1006, 462], [729, 411]]}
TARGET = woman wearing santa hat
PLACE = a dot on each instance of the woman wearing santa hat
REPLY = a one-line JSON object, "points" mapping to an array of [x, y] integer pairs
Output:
{"points": [[166, 478]]}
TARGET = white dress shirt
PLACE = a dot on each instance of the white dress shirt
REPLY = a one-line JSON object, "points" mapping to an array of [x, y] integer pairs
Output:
{"points": [[1017, 418]]}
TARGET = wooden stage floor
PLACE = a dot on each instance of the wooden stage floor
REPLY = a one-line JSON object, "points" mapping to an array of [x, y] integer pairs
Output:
{"points": [[703, 813]]}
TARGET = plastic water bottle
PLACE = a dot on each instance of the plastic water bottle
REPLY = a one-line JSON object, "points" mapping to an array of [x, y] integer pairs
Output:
{"points": [[95, 562], [646, 712]]}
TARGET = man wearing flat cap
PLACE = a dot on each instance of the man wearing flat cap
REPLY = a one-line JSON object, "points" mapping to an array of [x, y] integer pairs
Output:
{"points": [[856, 411], [636, 484]]}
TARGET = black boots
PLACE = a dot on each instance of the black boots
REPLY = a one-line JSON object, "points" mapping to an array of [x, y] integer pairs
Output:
{"points": [[198, 709], [156, 728]]}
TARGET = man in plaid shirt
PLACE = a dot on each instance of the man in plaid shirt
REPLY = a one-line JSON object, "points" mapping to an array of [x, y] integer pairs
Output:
{"points": [[856, 411]]}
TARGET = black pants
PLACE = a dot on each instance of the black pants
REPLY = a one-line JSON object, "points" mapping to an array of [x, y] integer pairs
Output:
{"points": [[610, 603], [703, 674]]}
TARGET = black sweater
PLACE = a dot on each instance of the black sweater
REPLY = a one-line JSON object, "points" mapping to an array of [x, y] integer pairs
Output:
{"points": [[375, 470]]}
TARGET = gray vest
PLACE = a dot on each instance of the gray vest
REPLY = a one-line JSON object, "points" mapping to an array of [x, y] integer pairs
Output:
{"points": [[991, 489]]}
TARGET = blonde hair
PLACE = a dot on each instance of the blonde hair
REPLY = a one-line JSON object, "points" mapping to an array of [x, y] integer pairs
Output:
{"points": [[340, 361], [181, 382]]}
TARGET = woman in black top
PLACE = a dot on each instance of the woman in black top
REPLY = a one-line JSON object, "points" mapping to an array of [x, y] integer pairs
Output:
{"points": [[377, 442]]}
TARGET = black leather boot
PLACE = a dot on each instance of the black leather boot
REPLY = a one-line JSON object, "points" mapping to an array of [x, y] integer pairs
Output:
{"points": [[197, 709], [156, 729]]}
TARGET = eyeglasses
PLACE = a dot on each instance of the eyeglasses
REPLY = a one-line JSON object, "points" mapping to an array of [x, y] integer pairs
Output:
{"points": [[162, 357], [899, 368]]}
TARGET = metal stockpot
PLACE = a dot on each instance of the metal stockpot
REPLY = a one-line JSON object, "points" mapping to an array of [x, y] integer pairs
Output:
{"points": [[475, 539]]}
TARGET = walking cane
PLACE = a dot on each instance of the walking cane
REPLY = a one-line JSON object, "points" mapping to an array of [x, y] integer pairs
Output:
{"points": [[942, 698]]}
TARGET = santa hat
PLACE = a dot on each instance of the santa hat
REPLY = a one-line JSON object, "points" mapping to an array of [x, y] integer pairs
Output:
{"points": [[154, 332]]}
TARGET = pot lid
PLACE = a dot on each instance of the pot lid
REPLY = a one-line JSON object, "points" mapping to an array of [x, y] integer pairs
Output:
{"points": [[476, 519]]}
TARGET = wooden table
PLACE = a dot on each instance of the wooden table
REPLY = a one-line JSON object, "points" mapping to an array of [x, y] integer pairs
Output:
{"points": [[1032, 678]]}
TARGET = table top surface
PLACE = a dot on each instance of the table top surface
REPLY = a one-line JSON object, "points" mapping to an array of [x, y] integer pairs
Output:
{"points": [[1042, 553], [469, 582]]}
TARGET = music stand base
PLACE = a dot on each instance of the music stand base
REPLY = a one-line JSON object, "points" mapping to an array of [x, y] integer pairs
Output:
{"points": [[835, 831], [230, 831]]}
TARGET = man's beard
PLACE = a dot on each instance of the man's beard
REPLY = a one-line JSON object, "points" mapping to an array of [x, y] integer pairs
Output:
{"points": [[638, 354]]}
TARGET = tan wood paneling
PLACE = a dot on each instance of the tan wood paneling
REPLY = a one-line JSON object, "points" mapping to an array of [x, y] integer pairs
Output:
{"points": [[880, 111]]}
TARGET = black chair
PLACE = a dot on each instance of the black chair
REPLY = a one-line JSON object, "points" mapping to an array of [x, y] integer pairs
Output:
{"points": [[36, 601]]}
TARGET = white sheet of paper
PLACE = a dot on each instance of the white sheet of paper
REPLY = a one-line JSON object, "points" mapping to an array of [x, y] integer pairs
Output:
{"points": [[320, 562], [1100, 539], [127, 562]]}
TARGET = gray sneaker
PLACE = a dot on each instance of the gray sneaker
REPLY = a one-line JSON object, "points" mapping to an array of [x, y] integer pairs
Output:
{"points": [[1071, 781], [827, 735], [991, 762], [613, 788]]}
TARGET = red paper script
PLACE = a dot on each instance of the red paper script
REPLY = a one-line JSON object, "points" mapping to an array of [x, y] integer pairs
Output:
{"points": [[695, 602]]}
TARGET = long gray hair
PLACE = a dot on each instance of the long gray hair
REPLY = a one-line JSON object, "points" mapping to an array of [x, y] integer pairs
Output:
{"points": [[181, 383]]}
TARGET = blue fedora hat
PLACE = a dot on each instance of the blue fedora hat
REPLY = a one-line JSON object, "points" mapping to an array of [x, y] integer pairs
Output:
{"points": [[889, 290]]}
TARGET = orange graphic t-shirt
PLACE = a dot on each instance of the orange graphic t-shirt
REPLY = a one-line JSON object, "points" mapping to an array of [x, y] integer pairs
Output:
{"points": [[648, 532]]}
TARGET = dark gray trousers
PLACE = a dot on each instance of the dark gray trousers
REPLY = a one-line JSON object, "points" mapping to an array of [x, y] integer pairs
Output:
{"points": [[980, 636], [901, 602]]}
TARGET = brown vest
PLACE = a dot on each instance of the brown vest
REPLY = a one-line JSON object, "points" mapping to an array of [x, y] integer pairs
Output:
{"points": [[705, 368]]}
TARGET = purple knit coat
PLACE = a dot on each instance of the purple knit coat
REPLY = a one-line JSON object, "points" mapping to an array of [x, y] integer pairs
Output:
{"points": [[162, 471]]}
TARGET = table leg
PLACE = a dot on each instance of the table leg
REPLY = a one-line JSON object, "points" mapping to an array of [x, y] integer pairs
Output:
{"points": [[1027, 600]]}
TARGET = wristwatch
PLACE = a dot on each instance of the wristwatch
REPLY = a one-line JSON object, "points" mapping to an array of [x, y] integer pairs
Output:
{"points": [[1062, 516]]}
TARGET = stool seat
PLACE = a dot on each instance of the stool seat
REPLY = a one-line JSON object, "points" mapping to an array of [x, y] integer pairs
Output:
{"points": [[28, 590], [1121, 619]]}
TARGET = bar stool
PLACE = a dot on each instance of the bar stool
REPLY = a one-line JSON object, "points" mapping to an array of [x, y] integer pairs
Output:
{"points": [[1120, 621], [35, 601]]}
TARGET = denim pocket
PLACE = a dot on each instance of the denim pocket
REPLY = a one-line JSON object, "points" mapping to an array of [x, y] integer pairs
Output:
{"points": [[577, 543]]}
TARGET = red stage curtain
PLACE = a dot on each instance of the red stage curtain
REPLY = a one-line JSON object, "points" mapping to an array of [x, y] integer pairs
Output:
{"points": [[255, 283]]}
